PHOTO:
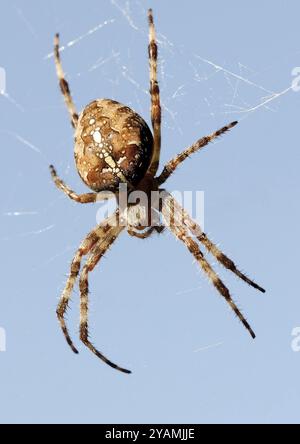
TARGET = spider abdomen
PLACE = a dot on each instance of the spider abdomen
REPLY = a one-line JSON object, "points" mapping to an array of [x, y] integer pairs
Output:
{"points": [[113, 144]]}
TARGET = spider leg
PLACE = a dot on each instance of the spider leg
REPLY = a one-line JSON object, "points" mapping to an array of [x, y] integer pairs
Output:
{"points": [[85, 247], [64, 86], [146, 233], [155, 96], [171, 166], [98, 251], [80, 198], [212, 248], [180, 231]]}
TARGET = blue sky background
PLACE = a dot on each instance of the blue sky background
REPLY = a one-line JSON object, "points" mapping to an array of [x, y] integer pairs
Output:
{"points": [[151, 309]]}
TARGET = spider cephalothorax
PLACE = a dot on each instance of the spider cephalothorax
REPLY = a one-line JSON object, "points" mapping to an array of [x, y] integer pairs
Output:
{"points": [[114, 148]]}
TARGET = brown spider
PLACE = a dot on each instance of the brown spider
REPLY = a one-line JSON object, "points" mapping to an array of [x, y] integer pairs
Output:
{"points": [[115, 147]]}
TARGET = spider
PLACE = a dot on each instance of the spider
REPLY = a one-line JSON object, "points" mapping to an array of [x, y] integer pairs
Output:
{"points": [[113, 147]]}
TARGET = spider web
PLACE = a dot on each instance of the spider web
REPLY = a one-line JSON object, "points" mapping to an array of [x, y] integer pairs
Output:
{"points": [[199, 93]]}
